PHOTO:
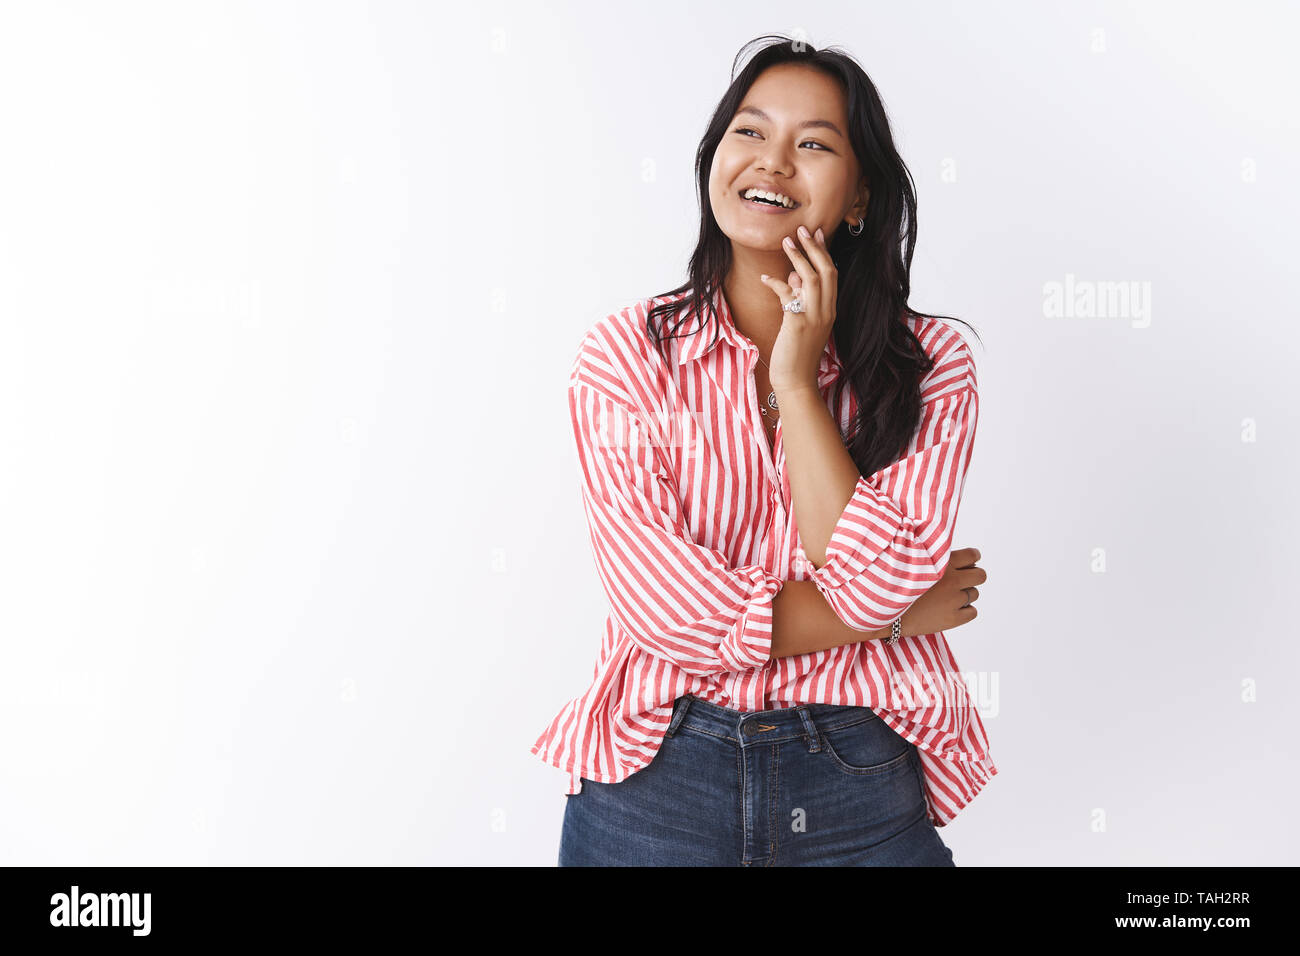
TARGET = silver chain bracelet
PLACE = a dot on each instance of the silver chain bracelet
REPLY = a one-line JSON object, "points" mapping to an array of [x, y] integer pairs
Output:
{"points": [[895, 631]]}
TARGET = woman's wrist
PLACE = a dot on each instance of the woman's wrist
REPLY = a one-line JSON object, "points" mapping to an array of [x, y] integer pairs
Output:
{"points": [[886, 632], [904, 631]]}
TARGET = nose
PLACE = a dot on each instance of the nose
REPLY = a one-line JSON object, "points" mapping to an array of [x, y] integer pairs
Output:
{"points": [[775, 162]]}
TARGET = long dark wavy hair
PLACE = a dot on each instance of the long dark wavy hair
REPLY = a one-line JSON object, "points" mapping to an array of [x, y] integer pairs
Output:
{"points": [[882, 359]]}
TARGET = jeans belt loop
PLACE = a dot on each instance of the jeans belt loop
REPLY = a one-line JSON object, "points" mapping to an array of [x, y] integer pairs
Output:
{"points": [[680, 706], [810, 730]]}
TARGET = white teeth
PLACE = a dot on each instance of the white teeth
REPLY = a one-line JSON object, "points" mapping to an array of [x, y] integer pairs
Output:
{"points": [[785, 201]]}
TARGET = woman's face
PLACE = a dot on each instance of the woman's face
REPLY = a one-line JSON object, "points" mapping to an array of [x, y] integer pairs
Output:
{"points": [[789, 136]]}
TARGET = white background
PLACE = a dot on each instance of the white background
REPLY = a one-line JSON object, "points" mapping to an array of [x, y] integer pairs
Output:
{"points": [[294, 563]]}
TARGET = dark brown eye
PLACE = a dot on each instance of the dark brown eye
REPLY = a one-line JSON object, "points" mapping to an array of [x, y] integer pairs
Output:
{"points": [[806, 142]]}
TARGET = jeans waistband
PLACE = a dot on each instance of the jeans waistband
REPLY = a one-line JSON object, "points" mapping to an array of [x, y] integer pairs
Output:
{"points": [[765, 726]]}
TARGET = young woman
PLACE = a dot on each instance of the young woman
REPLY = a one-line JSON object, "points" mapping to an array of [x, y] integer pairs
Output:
{"points": [[771, 487]]}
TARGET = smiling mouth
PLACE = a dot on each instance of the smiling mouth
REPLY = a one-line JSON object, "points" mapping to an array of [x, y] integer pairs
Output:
{"points": [[764, 202]]}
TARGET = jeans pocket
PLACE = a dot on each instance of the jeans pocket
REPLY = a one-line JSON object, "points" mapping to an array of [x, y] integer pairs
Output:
{"points": [[867, 748]]}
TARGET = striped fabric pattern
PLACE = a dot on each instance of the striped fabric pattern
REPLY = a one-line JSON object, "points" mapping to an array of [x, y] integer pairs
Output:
{"points": [[693, 534]]}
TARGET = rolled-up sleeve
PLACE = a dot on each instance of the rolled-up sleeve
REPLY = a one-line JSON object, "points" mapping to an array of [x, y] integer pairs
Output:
{"points": [[893, 540], [674, 598]]}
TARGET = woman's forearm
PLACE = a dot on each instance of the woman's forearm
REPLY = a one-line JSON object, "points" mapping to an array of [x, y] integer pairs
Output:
{"points": [[802, 622], [823, 476]]}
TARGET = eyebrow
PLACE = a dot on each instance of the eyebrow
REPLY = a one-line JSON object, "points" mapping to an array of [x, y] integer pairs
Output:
{"points": [[820, 123]]}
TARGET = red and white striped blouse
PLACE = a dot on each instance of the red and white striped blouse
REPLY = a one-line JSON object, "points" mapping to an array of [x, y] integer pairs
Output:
{"points": [[693, 533]]}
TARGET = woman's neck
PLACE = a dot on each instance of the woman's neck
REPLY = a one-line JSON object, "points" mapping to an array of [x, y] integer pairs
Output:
{"points": [[755, 309]]}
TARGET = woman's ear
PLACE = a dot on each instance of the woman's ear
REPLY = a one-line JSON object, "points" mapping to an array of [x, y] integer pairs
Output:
{"points": [[859, 210]]}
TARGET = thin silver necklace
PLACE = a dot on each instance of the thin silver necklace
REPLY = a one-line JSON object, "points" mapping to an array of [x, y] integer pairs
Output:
{"points": [[771, 396]]}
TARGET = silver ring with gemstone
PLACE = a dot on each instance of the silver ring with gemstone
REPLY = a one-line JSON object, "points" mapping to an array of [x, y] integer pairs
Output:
{"points": [[794, 305]]}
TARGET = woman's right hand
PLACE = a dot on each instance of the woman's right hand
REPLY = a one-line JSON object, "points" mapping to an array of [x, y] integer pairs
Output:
{"points": [[951, 601]]}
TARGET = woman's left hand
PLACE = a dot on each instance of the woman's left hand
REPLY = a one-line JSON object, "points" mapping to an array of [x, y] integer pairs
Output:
{"points": [[797, 352]]}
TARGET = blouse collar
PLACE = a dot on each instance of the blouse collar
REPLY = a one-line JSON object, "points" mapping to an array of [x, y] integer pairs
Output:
{"points": [[699, 343]]}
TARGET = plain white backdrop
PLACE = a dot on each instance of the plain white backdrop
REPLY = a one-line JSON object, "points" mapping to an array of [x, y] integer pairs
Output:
{"points": [[294, 561]]}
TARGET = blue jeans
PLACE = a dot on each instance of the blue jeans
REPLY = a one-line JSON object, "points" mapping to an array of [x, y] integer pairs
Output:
{"points": [[810, 785]]}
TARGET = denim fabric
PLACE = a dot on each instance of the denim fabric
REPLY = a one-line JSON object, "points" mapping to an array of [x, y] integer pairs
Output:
{"points": [[809, 785]]}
